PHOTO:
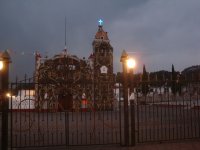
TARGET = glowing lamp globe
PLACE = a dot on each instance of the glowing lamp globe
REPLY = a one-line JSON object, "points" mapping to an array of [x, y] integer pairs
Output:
{"points": [[131, 63], [1, 65], [8, 95]]}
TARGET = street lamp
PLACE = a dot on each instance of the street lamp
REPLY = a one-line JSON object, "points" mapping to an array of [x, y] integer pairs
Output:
{"points": [[131, 64], [127, 64], [4, 73], [1, 64]]}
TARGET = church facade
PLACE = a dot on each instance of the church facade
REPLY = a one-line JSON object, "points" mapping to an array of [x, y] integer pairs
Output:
{"points": [[65, 81]]}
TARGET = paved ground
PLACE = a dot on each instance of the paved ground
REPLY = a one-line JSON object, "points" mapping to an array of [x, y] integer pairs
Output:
{"points": [[184, 145]]}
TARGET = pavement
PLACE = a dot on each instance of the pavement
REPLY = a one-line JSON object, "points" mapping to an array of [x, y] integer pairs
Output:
{"points": [[183, 145]]}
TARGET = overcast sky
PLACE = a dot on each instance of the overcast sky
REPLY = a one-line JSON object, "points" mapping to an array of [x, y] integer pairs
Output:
{"points": [[158, 33]]}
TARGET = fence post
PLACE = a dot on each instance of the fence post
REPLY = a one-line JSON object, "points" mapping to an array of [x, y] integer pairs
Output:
{"points": [[5, 60], [132, 106], [125, 96]]}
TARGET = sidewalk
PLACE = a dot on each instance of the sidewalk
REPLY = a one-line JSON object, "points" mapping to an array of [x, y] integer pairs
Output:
{"points": [[183, 145]]}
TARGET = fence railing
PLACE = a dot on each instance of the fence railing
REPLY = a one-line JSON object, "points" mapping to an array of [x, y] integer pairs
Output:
{"points": [[159, 111], [167, 112]]}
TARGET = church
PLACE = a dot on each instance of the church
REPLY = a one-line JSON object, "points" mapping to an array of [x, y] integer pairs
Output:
{"points": [[68, 82]]}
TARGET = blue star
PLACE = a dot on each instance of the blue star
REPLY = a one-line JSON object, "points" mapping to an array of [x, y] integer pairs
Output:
{"points": [[100, 22]]}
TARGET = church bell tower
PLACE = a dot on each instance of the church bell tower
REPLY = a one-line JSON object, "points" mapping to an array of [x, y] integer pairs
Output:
{"points": [[103, 68]]}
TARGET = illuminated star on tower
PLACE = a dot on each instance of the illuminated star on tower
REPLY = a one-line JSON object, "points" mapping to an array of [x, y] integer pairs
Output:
{"points": [[100, 22]]}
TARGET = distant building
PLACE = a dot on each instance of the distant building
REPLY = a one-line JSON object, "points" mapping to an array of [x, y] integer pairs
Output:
{"points": [[191, 73]]}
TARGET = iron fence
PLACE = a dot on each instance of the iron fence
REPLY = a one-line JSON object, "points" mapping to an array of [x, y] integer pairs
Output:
{"points": [[158, 112], [167, 113]]}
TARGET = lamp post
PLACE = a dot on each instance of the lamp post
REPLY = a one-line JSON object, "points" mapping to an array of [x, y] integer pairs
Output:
{"points": [[127, 63], [131, 63], [4, 71]]}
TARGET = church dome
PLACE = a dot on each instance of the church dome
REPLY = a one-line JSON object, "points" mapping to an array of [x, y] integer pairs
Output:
{"points": [[101, 34]]}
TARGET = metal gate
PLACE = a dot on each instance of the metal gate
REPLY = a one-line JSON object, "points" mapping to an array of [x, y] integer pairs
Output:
{"points": [[36, 122]]}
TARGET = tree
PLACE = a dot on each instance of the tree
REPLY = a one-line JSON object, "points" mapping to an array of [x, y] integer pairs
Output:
{"points": [[145, 87], [173, 82]]}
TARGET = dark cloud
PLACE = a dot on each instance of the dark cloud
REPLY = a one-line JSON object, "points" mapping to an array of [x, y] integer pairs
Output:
{"points": [[167, 31], [159, 32]]}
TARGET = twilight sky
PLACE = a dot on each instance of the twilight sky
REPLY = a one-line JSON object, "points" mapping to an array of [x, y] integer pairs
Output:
{"points": [[158, 33]]}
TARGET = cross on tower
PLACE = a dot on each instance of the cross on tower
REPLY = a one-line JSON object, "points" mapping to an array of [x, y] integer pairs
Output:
{"points": [[100, 22]]}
